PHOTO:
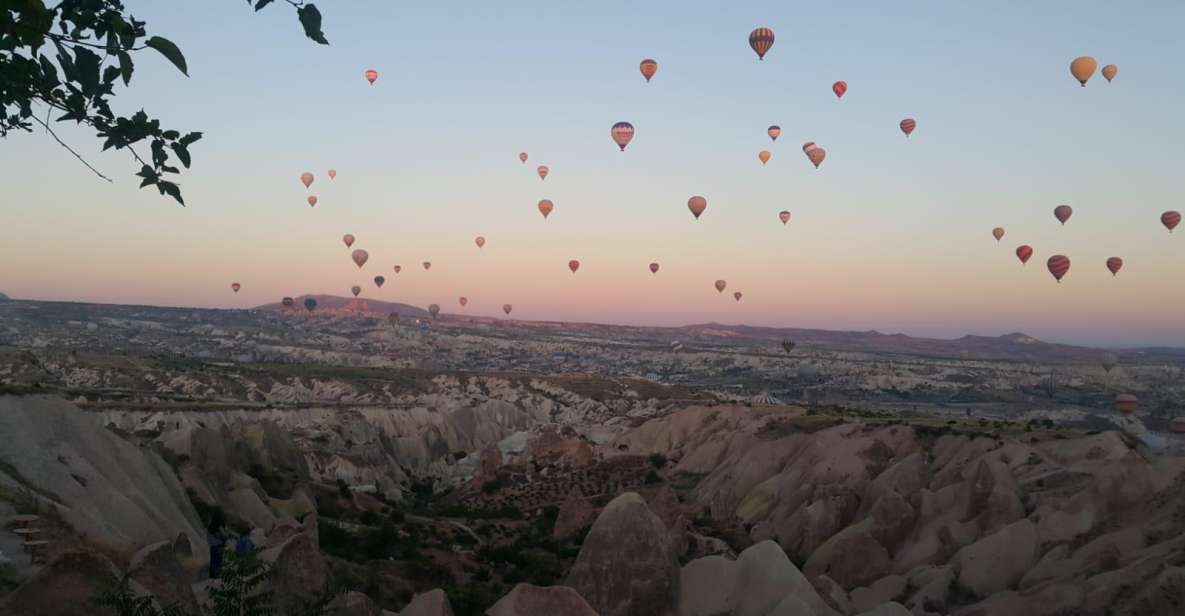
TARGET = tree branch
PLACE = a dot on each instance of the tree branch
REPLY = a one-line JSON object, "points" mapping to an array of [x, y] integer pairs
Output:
{"points": [[68, 148]]}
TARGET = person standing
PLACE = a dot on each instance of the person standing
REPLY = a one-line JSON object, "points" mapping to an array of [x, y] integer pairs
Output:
{"points": [[216, 538]]}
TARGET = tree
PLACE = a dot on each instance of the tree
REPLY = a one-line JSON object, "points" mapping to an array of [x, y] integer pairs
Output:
{"points": [[93, 45]]}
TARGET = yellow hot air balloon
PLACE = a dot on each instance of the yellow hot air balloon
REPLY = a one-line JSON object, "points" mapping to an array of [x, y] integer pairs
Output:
{"points": [[763, 156], [1109, 72], [1083, 68]]}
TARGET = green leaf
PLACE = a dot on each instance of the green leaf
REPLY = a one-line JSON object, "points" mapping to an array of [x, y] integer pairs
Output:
{"points": [[182, 153], [171, 189], [169, 51], [310, 18], [190, 138], [49, 71], [261, 3], [87, 62], [125, 67]]}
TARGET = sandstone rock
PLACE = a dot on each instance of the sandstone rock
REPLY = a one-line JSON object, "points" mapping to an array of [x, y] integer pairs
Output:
{"points": [[1162, 596], [353, 603], [832, 593], [889, 588], [708, 587], [64, 587], [791, 606], [887, 609], [852, 557], [933, 588], [575, 514], [528, 600], [765, 576], [299, 573], [244, 504], [431, 603], [157, 568], [625, 567], [997, 562]]}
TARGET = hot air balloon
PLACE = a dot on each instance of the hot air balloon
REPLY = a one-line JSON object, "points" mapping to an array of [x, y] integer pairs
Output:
{"points": [[522, 157], [808, 146], [312, 199], [427, 265], [788, 345], [720, 284], [507, 308], [763, 156], [1023, 252], [545, 207], [1126, 403], [839, 88], [360, 256], [773, 132], [1062, 213], [397, 268], [434, 310], [348, 240], [542, 170], [234, 286], [372, 76], [1083, 68], [1109, 72], [1170, 220], [333, 174], [784, 216], [480, 241], [310, 304], [1114, 264], [355, 290], [998, 233], [463, 301], [287, 302], [737, 296], [378, 281], [1058, 266], [653, 268], [1108, 362], [907, 126], [622, 133], [306, 178], [573, 265], [761, 40], [697, 205], [649, 68], [816, 156]]}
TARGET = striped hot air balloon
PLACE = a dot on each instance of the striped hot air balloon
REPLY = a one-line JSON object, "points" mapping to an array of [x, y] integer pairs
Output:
{"points": [[697, 205], [1058, 266], [1170, 220], [1114, 264], [622, 133], [907, 126], [1023, 252], [761, 40], [998, 233], [649, 68], [839, 88], [545, 207], [1062, 213], [1126, 403], [653, 268], [773, 132], [288, 302], [784, 216], [720, 284]]}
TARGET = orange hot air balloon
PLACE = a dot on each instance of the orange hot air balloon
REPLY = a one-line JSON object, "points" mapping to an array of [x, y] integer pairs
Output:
{"points": [[773, 132], [1114, 264], [784, 216], [355, 290], [348, 240], [1062, 213], [649, 68], [427, 265], [372, 76], [480, 241], [1058, 266], [507, 308], [816, 155], [234, 286], [1109, 72], [763, 156], [573, 265], [737, 296], [720, 284], [360, 256], [522, 157], [839, 88], [333, 174], [312, 199], [1023, 252], [463, 301], [1083, 68], [622, 133], [1170, 220], [306, 178], [543, 171], [998, 233], [808, 146], [907, 126], [697, 205], [545, 207], [761, 40], [397, 268], [434, 310], [1126, 403], [653, 268]]}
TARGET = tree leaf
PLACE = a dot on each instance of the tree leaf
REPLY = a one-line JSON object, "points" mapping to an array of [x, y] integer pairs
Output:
{"points": [[49, 71], [310, 18], [87, 62], [182, 153], [125, 67], [169, 51], [190, 138], [171, 189], [261, 3]]}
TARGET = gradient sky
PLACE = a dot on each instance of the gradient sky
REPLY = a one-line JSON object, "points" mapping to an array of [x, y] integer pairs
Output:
{"points": [[890, 234]]}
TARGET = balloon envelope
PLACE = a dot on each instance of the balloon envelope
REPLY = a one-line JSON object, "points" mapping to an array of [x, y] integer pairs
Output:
{"points": [[463, 301], [573, 265], [306, 178], [1109, 72], [907, 126], [1126, 403], [998, 233], [784, 216], [310, 304], [1082, 68], [434, 310], [480, 241], [312, 200], [763, 156], [773, 132], [372, 76], [839, 88], [622, 133], [1114, 264], [1062, 213], [816, 156], [360, 257], [545, 207], [378, 281], [522, 157], [720, 284], [1170, 220], [287, 302], [397, 268], [542, 170], [697, 205], [1058, 266], [234, 286], [649, 68], [808, 146], [1023, 253], [507, 308], [761, 40], [348, 240], [355, 290], [788, 345], [737, 296], [653, 268], [332, 174], [427, 265]]}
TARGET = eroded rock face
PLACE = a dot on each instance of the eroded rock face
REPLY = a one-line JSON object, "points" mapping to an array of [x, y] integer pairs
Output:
{"points": [[432, 603], [529, 600], [158, 568], [758, 582], [353, 603], [575, 514], [299, 571], [625, 567], [64, 587], [998, 561]]}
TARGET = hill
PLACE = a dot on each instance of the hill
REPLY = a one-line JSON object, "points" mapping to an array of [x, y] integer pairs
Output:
{"points": [[333, 303]]}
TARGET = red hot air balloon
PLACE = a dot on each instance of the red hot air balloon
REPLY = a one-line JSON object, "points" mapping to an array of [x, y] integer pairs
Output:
{"points": [[306, 178], [360, 256], [378, 281], [816, 155], [542, 170], [427, 265], [839, 88], [1023, 252], [463, 301], [1114, 264], [312, 200], [397, 268], [907, 126], [573, 265], [720, 284], [1062, 213], [1058, 266], [761, 40], [653, 268], [737, 296], [697, 205], [622, 133], [649, 68], [480, 241], [333, 174], [773, 132], [784, 216], [1126, 403], [355, 290], [372, 76], [348, 240], [234, 286], [1170, 220], [545, 207], [998, 233], [507, 308], [522, 157], [808, 146]]}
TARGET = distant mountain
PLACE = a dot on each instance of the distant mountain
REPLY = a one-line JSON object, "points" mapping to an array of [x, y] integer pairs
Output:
{"points": [[333, 303], [3, 297]]}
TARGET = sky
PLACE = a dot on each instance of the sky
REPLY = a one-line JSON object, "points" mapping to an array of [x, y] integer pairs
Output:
{"points": [[891, 234]]}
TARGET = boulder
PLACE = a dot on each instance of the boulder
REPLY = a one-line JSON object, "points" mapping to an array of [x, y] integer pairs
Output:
{"points": [[299, 571], [575, 514], [157, 568], [887, 609], [528, 600], [997, 562], [708, 587], [933, 588], [353, 603], [432, 603], [625, 567], [765, 576], [791, 606], [64, 587], [832, 593], [889, 588], [852, 557]]}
